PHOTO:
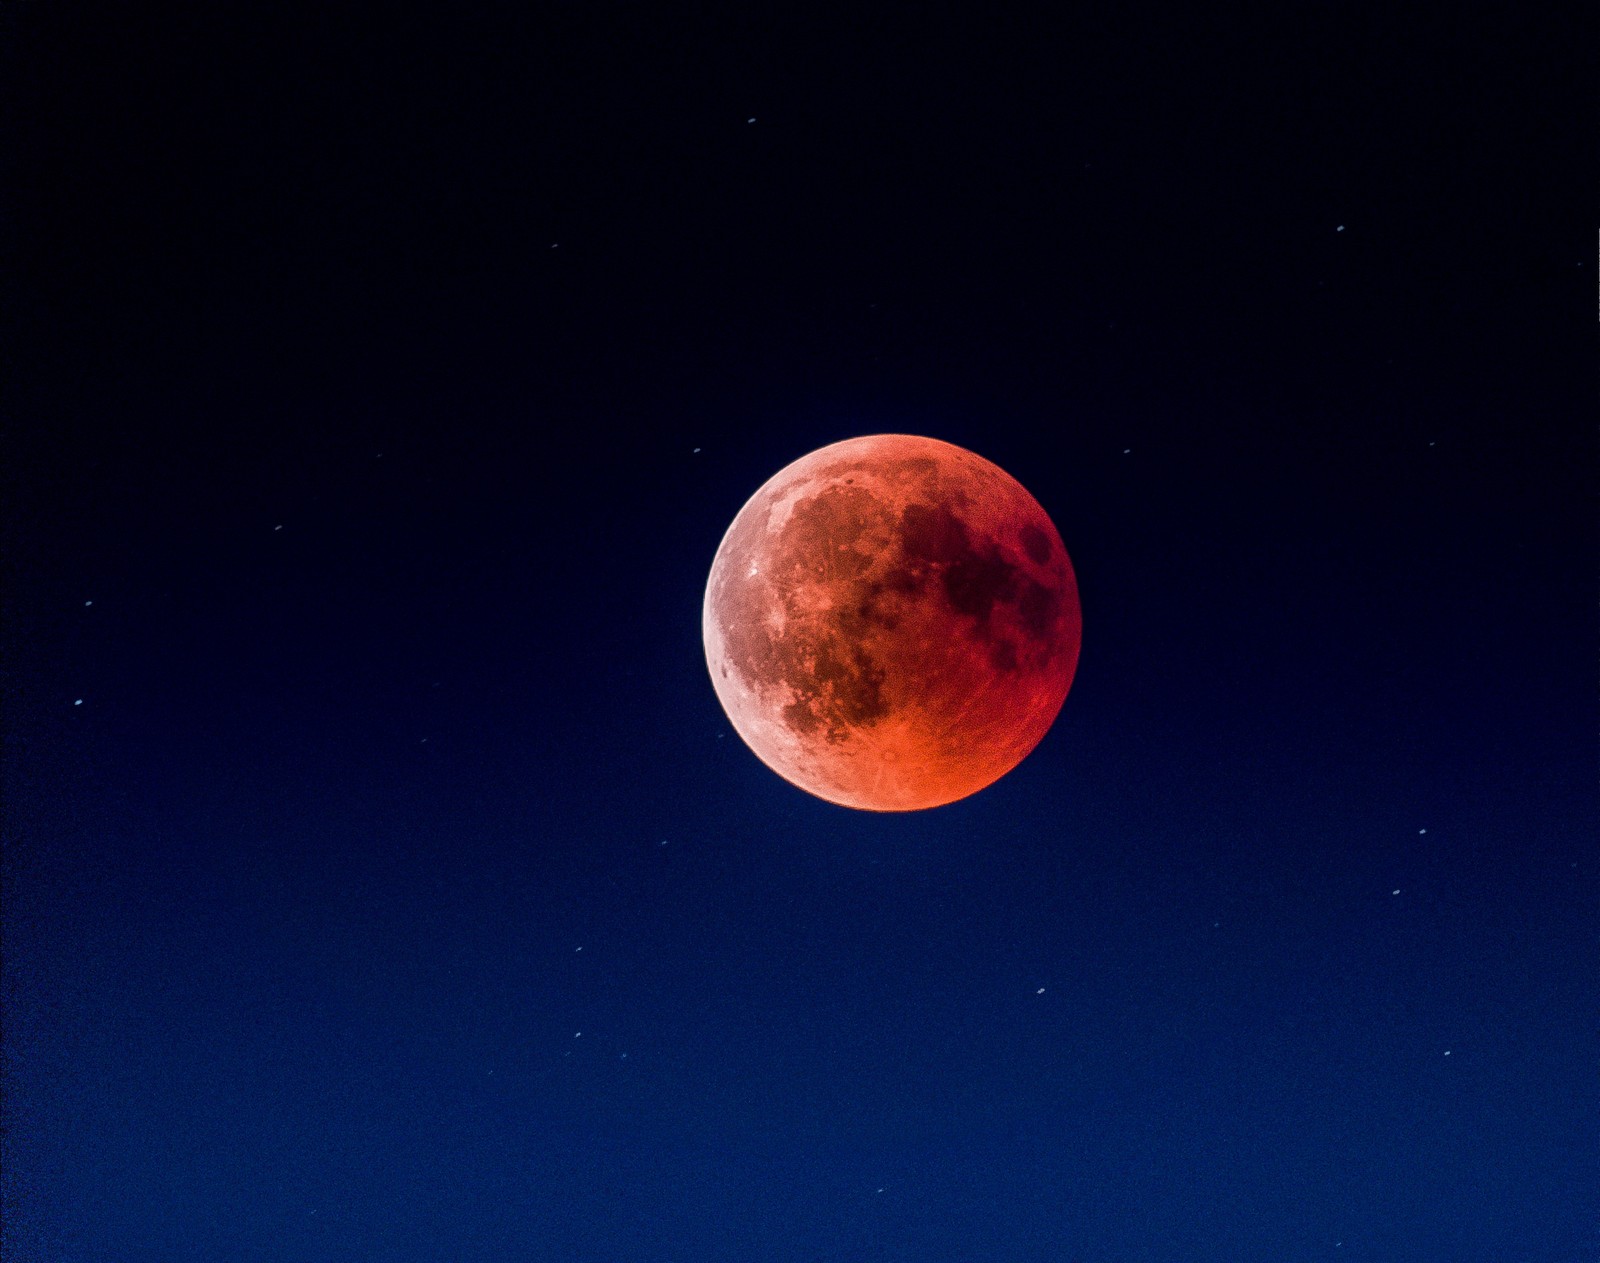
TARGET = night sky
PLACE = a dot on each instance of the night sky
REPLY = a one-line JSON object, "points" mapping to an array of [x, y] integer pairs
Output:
{"points": [[382, 879]]}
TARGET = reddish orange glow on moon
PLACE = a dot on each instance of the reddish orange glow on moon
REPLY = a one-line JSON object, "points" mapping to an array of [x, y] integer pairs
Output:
{"points": [[892, 623]]}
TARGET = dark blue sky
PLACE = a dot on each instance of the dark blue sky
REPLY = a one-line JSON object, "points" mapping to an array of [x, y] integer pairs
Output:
{"points": [[381, 878]]}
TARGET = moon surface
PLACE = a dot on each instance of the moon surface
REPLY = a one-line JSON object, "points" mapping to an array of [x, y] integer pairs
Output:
{"points": [[892, 623]]}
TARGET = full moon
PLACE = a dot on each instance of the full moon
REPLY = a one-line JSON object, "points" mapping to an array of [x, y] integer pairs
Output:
{"points": [[892, 623]]}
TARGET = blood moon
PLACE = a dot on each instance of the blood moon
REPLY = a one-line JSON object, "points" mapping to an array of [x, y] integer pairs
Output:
{"points": [[892, 623]]}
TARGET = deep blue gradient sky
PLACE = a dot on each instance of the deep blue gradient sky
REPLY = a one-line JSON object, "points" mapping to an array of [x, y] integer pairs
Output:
{"points": [[381, 878]]}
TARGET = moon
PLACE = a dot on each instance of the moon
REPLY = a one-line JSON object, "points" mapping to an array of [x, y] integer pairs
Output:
{"points": [[892, 623]]}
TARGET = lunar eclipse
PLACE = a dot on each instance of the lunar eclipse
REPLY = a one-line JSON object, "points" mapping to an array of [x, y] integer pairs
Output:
{"points": [[892, 623]]}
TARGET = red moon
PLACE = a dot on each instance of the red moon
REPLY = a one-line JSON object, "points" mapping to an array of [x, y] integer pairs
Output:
{"points": [[892, 623]]}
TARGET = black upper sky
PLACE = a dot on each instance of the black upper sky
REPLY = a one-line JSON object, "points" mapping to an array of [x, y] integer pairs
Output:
{"points": [[382, 880]]}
